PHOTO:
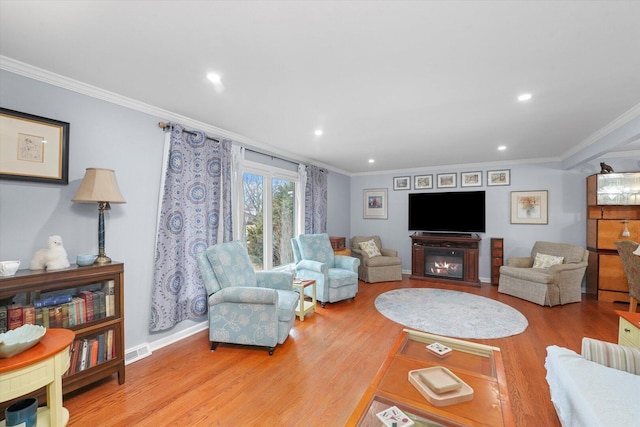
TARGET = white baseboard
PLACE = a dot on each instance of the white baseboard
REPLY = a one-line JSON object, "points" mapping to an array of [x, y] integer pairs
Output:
{"points": [[145, 350]]}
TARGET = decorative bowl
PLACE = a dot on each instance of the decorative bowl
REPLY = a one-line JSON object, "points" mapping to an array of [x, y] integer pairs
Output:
{"points": [[9, 268], [20, 339], [86, 259]]}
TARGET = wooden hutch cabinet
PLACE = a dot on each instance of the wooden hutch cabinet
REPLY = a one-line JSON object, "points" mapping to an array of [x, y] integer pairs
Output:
{"points": [[613, 213], [101, 330]]}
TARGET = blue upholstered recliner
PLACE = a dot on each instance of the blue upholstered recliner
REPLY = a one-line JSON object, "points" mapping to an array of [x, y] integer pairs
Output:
{"points": [[336, 276], [246, 306]]}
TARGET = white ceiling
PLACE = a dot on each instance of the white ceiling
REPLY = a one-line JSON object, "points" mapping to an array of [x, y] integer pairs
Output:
{"points": [[410, 84]]}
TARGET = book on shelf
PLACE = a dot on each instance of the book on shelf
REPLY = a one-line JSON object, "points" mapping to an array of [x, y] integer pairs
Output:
{"points": [[14, 316], [45, 317], [57, 316], [94, 352], [110, 298], [102, 348], [83, 355], [88, 304], [52, 300], [74, 356], [28, 315], [39, 317], [3, 319], [110, 350], [65, 315]]}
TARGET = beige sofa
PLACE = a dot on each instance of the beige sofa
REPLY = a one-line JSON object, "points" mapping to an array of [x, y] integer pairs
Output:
{"points": [[383, 268], [557, 284]]}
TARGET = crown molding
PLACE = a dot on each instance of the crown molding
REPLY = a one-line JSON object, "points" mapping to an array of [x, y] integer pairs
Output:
{"points": [[619, 122]]}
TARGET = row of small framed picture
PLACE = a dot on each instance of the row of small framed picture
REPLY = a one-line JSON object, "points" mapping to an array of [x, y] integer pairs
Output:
{"points": [[450, 180]]}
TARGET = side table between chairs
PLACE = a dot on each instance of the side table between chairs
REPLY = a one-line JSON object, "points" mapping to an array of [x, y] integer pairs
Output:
{"points": [[304, 306]]}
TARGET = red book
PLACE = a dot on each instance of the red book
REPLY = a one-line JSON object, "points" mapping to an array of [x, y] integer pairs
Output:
{"points": [[74, 357], [14, 316], [88, 304]]}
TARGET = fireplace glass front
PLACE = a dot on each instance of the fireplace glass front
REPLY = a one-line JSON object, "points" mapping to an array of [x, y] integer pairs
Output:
{"points": [[444, 263]]}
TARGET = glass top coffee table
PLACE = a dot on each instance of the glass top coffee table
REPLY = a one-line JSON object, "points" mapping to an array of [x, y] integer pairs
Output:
{"points": [[479, 366]]}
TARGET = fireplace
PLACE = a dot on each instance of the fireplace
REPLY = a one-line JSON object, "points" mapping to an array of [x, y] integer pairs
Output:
{"points": [[444, 263], [445, 258]]}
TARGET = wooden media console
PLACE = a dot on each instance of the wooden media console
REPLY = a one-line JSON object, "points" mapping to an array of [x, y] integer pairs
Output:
{"points": [[445, 257]]}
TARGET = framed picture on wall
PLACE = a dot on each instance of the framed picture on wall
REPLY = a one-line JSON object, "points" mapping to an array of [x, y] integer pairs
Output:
{"points": [[375, 203], [447, 180], [501, 177], [529, 207], [402, 183], [470, 179], [421, 182], [33, 148]]}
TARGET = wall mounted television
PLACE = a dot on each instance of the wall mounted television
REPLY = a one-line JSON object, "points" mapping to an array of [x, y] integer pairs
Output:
{"points": [[455, 212]]}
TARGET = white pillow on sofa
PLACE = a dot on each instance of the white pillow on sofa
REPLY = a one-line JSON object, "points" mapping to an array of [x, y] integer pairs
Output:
{"points": [[546, 261], [370, 248]]}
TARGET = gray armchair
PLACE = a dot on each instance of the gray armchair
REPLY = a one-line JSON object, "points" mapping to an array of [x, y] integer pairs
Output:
{"points": [[245, 306], [385, 267], [548, 285]]}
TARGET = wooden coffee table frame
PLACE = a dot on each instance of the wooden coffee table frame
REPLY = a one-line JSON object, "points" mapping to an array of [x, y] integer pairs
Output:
{"points": [[478, 365]]}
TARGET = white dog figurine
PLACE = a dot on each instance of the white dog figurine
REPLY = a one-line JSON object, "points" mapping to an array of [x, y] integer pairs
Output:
{"points": [[53, 257]]}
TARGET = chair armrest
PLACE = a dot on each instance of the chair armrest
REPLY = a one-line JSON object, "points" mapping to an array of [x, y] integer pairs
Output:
{"points": [[282, 280], [245, 295], [318, 267], [389, 252], [358, 252], [346, 262], [612, 355], [520, 262], [559, 268]]}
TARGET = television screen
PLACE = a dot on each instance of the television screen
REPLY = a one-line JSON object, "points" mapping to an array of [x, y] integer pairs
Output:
{"points": [[458, 212]]}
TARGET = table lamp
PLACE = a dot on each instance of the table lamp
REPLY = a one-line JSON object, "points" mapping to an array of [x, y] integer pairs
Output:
{"points": [[99, 186]]}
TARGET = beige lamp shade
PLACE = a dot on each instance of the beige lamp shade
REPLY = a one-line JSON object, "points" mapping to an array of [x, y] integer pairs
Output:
{"points": [[99, 185]]}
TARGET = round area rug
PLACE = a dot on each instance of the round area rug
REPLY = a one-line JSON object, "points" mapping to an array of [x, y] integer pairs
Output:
{"points": [[451, 313]]}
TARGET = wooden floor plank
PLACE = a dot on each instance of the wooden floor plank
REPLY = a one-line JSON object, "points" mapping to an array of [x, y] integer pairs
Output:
{"points": [[318, 376]]}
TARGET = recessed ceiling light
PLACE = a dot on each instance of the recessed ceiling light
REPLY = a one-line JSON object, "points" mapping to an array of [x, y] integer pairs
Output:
{"points": [[214, 78], [318, 132], [371, 161], [502, 147], [217, 81], [524, 97]]}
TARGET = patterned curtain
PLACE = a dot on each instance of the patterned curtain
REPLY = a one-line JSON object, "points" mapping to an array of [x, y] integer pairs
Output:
{"points": [[315, 201], [195, 213]]}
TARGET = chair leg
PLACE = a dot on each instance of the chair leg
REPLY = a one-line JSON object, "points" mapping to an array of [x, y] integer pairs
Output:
{"points": [[271, 350], [323, 304], [633, 304], [214, 345]]}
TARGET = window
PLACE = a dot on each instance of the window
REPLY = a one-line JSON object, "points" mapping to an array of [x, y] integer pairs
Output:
{"points": [[269, 214]]}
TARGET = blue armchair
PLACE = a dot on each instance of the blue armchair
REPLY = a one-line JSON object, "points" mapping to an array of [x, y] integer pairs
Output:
{"points": [[245, 306], [336, 276]]}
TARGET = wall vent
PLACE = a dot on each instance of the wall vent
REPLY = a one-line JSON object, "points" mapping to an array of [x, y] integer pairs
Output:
{"points": [[135, 354]]}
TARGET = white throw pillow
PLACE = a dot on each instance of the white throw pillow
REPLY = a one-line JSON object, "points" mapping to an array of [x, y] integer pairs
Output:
{"points": [[546, 261], [369, 247]]}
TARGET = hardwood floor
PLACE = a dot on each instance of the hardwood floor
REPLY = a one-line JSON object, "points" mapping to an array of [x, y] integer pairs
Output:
{"points": [[318, 376]]}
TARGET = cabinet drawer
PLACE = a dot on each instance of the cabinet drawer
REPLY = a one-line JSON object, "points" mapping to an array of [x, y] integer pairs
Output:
{"points": [[610, 230], [628, 333], [611, 276]]}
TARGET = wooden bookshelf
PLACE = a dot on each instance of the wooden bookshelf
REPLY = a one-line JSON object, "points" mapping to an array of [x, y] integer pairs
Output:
{"points": [[30, 285]]}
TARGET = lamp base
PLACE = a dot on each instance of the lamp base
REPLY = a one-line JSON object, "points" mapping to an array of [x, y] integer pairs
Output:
{"points": [[103, 259]]}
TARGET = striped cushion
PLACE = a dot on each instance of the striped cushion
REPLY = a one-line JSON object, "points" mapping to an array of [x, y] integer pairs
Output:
{"points": [[612, 355]]}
